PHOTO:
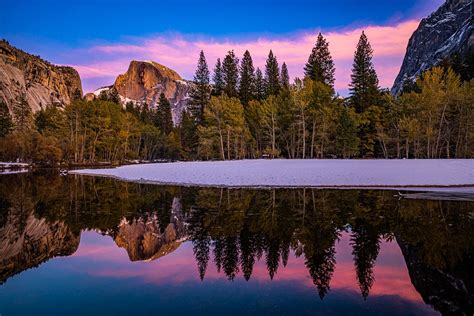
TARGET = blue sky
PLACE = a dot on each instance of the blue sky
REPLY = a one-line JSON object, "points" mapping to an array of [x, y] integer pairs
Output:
{"points": [[66, 32]]}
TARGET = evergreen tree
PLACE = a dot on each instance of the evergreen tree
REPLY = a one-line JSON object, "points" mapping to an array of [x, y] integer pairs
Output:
{"points": [[218, 79], [145, 114], [201, 247], [163, 118], [259, 85], [347, 142], [132, 109], [202, 91], [247, 79], [366, 246], [22, 114], [230, 74], [272, 75], [114, 96], [364, 88], [285, 78], [6, 122], [320, 66], [188, 135], [321, 265]]}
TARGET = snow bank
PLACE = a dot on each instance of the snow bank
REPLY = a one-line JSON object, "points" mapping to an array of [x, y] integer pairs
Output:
{"points": [[299, 173]]}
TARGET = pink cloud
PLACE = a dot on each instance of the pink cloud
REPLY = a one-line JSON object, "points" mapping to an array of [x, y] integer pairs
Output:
{"points": [[181, 53]]}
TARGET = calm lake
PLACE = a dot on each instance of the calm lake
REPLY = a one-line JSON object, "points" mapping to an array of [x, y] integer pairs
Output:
{"points": [[77, 245]]}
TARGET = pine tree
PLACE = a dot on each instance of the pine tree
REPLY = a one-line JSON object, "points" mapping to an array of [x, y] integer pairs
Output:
{"points": [[320, 66], [259, 85], [23, 114], [272, 75], [347, 142], [247, 79], [230, 74], [285, 78], [145, 113], [364, 88], [114, 96], [218, 79], [201, 248], [6, 122], [202, 92], [164, 107], [163, 118], [188, 135]]}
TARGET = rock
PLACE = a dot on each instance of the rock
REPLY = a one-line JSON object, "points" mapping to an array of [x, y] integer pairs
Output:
{"points": [[148, 239], [42, 83], [445, 32], [450, 290], [89, 97], [27, 242], [144, 81]]}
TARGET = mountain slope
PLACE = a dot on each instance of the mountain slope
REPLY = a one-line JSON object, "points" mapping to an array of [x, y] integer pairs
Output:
{"points": [[447, 31], [38, 81]]}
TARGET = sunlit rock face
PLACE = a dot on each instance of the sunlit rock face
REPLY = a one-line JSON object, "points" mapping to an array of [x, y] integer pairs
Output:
{"points": [[144, 81], [447, 31], [148, 239], [35, 79], [26, 242]]}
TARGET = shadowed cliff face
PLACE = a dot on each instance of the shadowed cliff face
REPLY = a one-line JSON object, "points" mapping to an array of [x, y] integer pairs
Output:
{"points": [[447, 31], [33, 78], [449, 290]]}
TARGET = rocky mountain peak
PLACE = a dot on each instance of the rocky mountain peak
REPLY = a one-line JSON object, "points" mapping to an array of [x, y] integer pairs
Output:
{"points": [[144, 81], [447, 31]]}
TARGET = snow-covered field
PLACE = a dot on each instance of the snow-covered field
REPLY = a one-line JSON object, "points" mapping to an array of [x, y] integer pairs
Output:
{"points": [[300, 173]]}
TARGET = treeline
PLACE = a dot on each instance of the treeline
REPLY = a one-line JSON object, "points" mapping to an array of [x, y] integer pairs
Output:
{"points": [[88, 133], [249, 113]]}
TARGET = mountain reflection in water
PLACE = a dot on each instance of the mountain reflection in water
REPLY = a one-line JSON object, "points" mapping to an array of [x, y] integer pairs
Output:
{"points": [[301, 245]]}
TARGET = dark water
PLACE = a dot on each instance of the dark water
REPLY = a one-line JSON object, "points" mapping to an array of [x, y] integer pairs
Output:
{"points": [[90, 246]]}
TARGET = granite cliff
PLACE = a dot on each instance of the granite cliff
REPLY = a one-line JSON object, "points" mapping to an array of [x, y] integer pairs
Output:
{"points": [[447, 31], [41, 83], [144, 81]]}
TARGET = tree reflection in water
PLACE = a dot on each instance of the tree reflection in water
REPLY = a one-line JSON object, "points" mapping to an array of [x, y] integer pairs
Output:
{"points": [[42, 216]]}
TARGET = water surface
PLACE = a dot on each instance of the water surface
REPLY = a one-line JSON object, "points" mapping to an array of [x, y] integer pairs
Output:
{"points": [[93, 246]]}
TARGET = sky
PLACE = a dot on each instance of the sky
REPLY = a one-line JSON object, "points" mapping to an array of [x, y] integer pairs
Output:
{"points": [[100, 38]]}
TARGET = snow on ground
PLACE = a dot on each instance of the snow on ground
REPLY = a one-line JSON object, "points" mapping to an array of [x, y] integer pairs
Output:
{"points": [[300, 173]]}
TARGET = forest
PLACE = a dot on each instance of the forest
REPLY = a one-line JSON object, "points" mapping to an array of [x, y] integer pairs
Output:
{"points": [[246, 113]]}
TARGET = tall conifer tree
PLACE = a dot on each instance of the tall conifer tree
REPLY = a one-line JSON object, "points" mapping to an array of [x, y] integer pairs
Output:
{"points": [[364, 88], [320, 66], [272, 75], [284, 77], [230, 74], [202, 90], [163, 118], [259, 85], [218, 79], [247, 79], [6, 122]]}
